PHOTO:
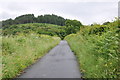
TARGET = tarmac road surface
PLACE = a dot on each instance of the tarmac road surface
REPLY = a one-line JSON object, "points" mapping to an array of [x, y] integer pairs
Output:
{"points": [[60, 62]]}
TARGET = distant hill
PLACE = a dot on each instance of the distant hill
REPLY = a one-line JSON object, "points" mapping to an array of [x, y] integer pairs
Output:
{"points": [[30, 18], [43, 24]]}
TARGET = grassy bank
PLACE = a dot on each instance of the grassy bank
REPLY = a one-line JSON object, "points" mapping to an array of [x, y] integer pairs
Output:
{"points": [[18, 52], [0, 57], [38, 28], [97, 50]]}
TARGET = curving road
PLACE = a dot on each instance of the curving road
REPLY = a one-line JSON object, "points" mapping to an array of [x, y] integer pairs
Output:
{"points": [[60, 62]]}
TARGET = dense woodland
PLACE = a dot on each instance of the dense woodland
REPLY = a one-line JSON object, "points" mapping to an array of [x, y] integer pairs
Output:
{"points": [[30, 18]]}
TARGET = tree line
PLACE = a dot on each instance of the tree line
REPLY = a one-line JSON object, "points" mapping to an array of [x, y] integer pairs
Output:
{"points": [[30, 18], [28, 23]]}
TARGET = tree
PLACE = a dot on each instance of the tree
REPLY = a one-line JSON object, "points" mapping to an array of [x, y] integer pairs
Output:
{"points": [[28, 18], [105, 23], [8, 22], [72, 26], [51, 19]]}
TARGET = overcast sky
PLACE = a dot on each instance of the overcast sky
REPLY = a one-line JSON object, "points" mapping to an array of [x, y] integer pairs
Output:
{"points": [[86, 11]]}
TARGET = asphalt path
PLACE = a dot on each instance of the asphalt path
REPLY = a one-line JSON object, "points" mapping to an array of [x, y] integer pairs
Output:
{"points": [[60, 62]]}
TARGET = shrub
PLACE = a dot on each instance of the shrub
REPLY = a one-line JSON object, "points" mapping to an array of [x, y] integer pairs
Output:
{"points": [[97, 50]]}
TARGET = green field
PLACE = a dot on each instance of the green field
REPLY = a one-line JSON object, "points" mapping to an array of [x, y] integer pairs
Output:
{"points": [[97, 50], [18, 52]]}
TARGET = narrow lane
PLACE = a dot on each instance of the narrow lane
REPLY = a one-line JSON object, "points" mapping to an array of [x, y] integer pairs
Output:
{"points": [[60, 62]]}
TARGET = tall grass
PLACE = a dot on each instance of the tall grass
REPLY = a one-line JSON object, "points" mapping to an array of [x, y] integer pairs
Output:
{"points": [[18, 52], [97, 50], [0, 57]]}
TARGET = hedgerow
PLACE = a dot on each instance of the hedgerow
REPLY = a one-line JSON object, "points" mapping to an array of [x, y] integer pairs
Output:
{"points": [[97, 50]]}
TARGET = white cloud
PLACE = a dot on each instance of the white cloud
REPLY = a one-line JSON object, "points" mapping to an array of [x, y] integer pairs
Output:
{"points": [[59, 0], [86, 12]]}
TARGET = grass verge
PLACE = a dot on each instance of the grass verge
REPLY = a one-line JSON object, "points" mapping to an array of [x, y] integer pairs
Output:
{"points": [[97, 50], [18, 52]]}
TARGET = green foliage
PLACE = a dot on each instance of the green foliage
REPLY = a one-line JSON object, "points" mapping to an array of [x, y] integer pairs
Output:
{"points": [[7, 22], [105, 23], [18, 52], [30, 18], [30, 24], [97, 50], [51, 19], [39, 28], [0, 57], [72, 26]]}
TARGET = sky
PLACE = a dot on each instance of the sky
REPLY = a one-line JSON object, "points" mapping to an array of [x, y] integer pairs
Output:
{"points": [[86, 11]]}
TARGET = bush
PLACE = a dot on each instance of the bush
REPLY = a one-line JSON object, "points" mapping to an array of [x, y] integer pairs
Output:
{"points": [[38, 28], [97, 50]]}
